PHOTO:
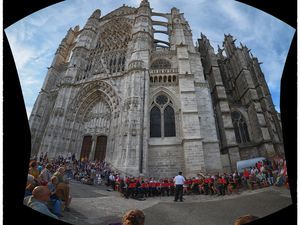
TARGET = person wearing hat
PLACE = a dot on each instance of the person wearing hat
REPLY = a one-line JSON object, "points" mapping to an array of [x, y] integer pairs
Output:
{"points": [[179, 181]]}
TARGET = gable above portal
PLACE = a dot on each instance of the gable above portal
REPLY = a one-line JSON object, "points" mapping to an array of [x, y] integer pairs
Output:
{"points": [[122, 11]]}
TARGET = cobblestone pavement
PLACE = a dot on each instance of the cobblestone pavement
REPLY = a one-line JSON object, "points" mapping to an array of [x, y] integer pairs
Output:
{"points": [[98, 205]]}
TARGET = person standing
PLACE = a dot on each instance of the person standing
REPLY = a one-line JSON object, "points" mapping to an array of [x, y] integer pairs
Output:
{"points": [[179, 181], [112, 180]]}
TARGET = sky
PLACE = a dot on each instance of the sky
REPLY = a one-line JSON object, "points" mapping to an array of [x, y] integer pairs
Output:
{"points": [[35, 39]]}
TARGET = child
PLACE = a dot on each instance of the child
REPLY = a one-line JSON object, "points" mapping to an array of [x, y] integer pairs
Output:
{"points": [[55, 204]]}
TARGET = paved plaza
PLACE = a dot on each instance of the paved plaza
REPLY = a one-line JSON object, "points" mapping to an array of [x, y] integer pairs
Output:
{"points": [[98, 205]]}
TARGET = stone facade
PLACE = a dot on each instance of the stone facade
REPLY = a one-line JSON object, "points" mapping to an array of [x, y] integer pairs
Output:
{"points": [[115, 93]]}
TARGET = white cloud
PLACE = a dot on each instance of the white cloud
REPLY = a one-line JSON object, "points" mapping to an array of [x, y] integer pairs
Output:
{"points": [[231, 10], [35, 39], [22, 53], [38, 19], [273, 69]]}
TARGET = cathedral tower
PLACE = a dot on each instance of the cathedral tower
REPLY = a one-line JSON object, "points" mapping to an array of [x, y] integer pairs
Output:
{"points": [[248, 123], [151, 106]]}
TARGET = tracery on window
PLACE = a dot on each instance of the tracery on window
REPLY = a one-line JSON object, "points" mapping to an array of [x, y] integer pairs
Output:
{"points": [[162, 118], [115, 35], [240, 127], [161, 64], [161, 99]]}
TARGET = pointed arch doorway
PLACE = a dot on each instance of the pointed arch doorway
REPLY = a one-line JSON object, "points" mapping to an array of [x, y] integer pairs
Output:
{"points": [[100, 150], [86, 147]]}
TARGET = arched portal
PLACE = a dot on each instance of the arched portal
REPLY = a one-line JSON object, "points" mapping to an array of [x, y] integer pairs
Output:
{"points": [[91, 113], [96, 122]]}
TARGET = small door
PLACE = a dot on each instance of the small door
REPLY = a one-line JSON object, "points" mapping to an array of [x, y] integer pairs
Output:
{"points": [[100, 150], [86, 147]]}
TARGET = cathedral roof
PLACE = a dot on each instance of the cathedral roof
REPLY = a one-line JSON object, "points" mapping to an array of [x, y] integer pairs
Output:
{"points": [[121, 11]]}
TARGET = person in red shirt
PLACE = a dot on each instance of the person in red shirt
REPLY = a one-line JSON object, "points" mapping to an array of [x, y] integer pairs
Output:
{"points": [[164, 187], [246, 176], [195, 185], [144, 189], [206, 185], [221, 185], [201, 185], [259, 164], [211, 186], [171, 186], [189, 185], [185, 187], [157, 186], [152, 189], [127, 191], [132, 188]]}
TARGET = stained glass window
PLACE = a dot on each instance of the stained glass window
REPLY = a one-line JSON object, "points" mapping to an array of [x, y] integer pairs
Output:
{"points": [[161, 64], [169, 122], [162, 118], [161, 100], [155, 122], [240, 127]]}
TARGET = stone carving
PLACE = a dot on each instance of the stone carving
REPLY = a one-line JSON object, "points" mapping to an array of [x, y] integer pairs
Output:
{"points": [[161, 64], [136, 64], [122, 11], [89, 93], [187, 30], [163, 79], [115, 34], [114, 64], [131, 103], [59, 111], [201, 84]]}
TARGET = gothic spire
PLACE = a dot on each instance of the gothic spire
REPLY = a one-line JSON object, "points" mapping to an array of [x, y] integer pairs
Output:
{"points": [[96, 14], [229, 44], [145, 3]]}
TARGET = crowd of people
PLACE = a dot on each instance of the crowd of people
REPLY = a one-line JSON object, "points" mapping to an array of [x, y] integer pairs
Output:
{"points": [[55, 174], [263, 174], [47, 189]]}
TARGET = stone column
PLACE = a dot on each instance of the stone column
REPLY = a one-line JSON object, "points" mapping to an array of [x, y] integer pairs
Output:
{"points": [[134, 96]]}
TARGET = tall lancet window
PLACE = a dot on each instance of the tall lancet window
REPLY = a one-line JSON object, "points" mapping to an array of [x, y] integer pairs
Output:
{"points": [[162, 118], [155, 122], [240, 127], [169, 122]]}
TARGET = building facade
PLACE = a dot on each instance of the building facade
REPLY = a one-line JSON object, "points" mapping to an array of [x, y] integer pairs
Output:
{"points": [[113, 92]]}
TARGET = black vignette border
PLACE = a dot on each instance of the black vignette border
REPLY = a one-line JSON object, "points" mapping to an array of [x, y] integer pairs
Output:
{"points": [[16, 154], [15, 123], [286, 11]]}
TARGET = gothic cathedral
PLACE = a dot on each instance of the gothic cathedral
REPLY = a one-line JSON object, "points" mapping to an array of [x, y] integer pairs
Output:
{"points": [[113, 92]]}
